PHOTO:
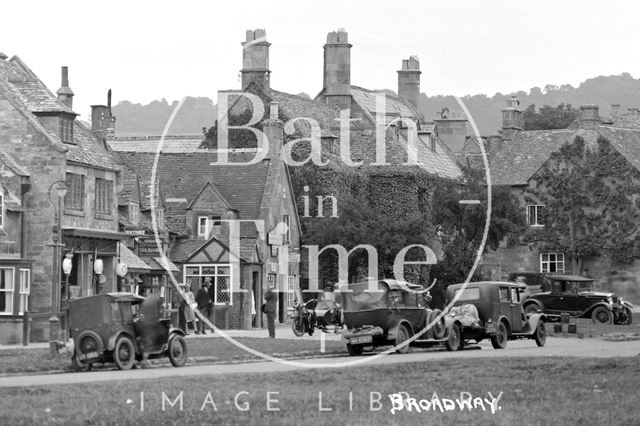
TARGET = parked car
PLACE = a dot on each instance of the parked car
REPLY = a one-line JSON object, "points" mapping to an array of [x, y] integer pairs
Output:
{"points": [[492, 310], [575, 295], [117, 327], [391, 313]]}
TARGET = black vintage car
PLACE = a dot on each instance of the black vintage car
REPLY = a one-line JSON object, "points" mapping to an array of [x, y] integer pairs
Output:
{"points": [[575, 295], [389, 312], [119, 328], [492, 310]]}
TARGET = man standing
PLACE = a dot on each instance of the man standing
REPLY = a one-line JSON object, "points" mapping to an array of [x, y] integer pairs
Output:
{"points": [[202, 299], [271, 298]]}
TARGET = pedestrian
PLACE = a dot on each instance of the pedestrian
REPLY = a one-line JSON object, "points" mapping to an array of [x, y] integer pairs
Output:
{"points": [[271, 299], [190, 316], [182, 316], [202, 299], [253, 309]]}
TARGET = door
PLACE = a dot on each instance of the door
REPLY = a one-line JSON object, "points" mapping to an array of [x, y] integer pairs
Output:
{"points": [[516, 309], [507, 306]]}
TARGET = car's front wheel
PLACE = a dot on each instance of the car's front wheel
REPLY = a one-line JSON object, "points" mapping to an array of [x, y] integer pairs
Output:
{"points": [[402, 336], [626, 318], [354, 350], [124, 354], [453, 343], [540, 335], [602, 315], [80, 365], [177, 351], [499, 341]]}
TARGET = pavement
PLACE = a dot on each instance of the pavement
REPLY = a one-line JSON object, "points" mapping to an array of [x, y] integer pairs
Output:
{"points": [[283, 331], [555, 347]]}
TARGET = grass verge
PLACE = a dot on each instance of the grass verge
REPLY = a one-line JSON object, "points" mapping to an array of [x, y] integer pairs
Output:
{"points": [[539, 391]]}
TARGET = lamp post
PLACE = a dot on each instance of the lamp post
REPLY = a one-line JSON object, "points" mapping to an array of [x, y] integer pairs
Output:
{"points": [[54, 321]]}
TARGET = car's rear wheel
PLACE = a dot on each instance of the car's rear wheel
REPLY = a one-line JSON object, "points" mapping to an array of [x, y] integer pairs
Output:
{"points": [[124, 354], [438, 326], [354, 350], [80, 365], [540, 335], [453, 343], [602, 315], [499, 341], [403, 335], [177, 351]]}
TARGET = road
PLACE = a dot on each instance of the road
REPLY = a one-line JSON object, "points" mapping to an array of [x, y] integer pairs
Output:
{"points": [[563, 347]]}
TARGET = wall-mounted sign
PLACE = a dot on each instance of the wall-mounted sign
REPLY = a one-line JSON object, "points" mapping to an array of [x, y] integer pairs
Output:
{"points": [[294, 257], [275, 239]]}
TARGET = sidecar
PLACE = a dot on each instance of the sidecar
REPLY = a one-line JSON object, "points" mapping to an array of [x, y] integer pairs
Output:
{"points": [[120, 328]]}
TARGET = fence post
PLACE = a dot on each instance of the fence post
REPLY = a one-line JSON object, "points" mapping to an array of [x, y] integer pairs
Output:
{"points": [[227, 316], [26, 328]]}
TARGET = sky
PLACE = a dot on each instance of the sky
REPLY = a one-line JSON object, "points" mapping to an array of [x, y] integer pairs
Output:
{"points": [[145, 50]]}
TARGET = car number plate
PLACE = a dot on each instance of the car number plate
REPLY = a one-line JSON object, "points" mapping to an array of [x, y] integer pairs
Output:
{"points": [[88, 355], [490, 328], [359, 340]]}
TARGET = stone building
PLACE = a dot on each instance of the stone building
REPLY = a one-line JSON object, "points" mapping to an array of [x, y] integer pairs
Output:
{"points": [[519, 161], [69, 207]]}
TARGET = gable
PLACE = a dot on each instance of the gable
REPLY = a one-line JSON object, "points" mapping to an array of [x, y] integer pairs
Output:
{"points": [[210, 199]]}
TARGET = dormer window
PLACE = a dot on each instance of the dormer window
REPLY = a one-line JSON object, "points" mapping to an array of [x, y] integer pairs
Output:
{"points": [[65, 129]]}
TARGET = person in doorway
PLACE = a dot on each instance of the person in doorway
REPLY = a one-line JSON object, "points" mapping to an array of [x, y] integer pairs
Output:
{"points": [[202, 299], [271, 300], [253, 309], [182, 316]]}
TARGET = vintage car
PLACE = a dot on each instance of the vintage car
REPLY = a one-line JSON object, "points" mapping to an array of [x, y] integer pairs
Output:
{"points": [[575, 295], [120, 328], [389, 314], [493, 310]]}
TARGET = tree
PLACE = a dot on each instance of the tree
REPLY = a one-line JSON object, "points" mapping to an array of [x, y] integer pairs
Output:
{"points": [[590, 203], [358, 223], [548, 117], [461, 226]]}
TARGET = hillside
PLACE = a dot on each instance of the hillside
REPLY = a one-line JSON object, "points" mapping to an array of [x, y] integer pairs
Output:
{"points": [[196, 113]]}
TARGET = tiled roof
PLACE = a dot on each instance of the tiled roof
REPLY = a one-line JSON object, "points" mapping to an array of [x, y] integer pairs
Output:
{"points": [[395, 107], [34, 97], [132, 261], [184, 249], [151, 145], [182, 176], [294, 106], [625, 141], [521, 157]]}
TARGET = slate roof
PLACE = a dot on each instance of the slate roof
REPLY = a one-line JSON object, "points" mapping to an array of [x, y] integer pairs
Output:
{"points": [[294, 106], [151, 144], [132, 261], [395, 106], [182, 176], [522, 157], [33, 97]]}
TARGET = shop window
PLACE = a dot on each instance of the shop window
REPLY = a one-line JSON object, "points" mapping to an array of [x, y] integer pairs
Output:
{"points": [[220, 278]]}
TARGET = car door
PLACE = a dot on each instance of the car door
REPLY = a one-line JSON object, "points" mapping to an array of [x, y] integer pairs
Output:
{"points": [[516, 309], [506, 306]]}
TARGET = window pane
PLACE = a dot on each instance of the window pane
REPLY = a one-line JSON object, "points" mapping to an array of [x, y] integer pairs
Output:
{"points": [[223, 294], [6, 290], [75, 192]]}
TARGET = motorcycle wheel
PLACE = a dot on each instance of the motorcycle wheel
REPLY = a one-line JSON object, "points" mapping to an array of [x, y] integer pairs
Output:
{"points": [[297, 326]]}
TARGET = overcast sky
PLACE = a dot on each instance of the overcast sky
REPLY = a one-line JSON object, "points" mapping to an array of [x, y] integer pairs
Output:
{"points": [[150, 50]]}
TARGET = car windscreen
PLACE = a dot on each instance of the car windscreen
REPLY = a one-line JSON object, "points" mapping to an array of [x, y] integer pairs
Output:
{"points": [[469, 293], [360, 298]]}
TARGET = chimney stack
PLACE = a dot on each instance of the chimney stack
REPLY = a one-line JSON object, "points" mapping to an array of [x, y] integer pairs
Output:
{"points": [[512, 119], [409, 80], [589, 117], [337, 69], [103, 122], [255, 59], [65, 94]]}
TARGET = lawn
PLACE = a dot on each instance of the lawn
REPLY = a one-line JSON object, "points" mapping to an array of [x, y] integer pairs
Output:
{"points": [[209, 350], [539, 391]]}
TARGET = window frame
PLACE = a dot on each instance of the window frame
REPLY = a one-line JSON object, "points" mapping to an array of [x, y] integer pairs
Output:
{"points": [[11, 292], [65, 130], [538, 212], [200, 276], [103, 203], [134, 213], [545, 265], [202, 233], [74, 198], [24, 291]]}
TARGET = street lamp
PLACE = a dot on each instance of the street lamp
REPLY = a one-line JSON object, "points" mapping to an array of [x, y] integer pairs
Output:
{"points": [[54, 322]]}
